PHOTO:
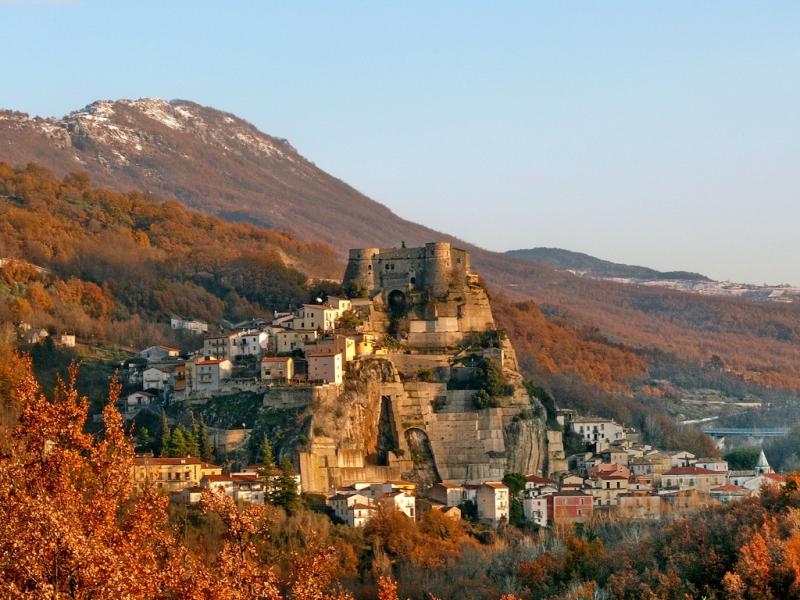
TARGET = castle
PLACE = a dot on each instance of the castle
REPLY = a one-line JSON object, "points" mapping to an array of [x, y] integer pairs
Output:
{"points": [[432, 268]]}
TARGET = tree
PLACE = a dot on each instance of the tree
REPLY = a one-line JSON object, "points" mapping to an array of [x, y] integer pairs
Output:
{"points": [[516, 483], [742, 459], [163, 446], [285, 488], [204, 446], [143, 437], [63, 530]]}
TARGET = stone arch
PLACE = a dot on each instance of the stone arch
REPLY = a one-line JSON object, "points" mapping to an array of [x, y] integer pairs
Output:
{"points": [[396, 299]]}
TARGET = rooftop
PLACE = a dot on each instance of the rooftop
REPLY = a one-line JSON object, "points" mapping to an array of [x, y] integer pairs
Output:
{"points": [[154, 461], [691, 471]]}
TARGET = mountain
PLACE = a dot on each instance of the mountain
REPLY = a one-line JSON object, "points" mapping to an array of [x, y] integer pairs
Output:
{"points": [[220, 164], [584, 264], [115, 267]]}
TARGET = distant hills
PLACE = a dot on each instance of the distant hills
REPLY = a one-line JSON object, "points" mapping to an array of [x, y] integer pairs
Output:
{"points": [[222, 165], [584, 264]]}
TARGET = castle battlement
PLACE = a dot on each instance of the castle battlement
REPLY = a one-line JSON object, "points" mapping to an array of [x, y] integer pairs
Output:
{"points": [[432, 268]]}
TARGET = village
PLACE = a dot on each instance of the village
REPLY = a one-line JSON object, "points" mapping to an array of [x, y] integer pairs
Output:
{"points": [[311, 351]]}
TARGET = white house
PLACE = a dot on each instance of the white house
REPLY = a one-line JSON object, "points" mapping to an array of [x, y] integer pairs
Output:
{"points": [[221, 346], [192, 325], [712, 464], [493, 501], [210, 373], [534, 506], [131, 404], [252, 343], [156, 353], [339, 304], [595, 429], [67, 340], [324, 367], [341, 503], [314, 316], [289, 340], [682, 458], [154, 378], [402, 501]]}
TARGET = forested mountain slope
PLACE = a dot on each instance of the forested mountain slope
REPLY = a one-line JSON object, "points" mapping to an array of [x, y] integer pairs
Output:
{"points": [[597, 267], [220, 164]]}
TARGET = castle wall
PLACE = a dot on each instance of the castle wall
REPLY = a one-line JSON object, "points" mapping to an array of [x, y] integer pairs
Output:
{"points": [[433, 267]]}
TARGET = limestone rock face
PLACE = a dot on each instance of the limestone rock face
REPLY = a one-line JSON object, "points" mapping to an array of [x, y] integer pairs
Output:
{"points": [[414, 412]]}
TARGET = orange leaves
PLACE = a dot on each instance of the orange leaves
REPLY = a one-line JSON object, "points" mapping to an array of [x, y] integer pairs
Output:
{"points": [[546, 347]]}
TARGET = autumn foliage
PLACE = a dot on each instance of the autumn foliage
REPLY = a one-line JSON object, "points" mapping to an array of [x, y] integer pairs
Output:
{"points": [[69, 526]]}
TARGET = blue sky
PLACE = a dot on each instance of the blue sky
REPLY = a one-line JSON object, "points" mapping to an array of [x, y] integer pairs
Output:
{"points": [[658, 133]]}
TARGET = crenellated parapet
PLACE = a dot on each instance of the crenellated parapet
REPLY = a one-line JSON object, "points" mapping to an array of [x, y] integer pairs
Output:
{"points": [[433, 268]]}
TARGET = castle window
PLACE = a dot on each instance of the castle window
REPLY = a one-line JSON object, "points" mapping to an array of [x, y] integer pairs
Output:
{"points": [[369, 267]]}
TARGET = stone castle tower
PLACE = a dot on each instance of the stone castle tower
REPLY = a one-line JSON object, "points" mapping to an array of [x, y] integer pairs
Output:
{"points": [[432, 268]]}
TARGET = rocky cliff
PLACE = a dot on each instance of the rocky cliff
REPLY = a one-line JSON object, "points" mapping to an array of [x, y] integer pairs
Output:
{"points": [[444, 402]]}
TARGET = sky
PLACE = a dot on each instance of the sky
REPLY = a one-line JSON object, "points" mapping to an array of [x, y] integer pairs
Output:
{"points": [[665, 134]]}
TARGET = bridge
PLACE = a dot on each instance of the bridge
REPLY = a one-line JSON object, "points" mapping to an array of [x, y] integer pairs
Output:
{"points": [[756, 432]]}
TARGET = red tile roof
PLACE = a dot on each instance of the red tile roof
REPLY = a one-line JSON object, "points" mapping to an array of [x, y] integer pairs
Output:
{"points": [[539, 480], [496, 485], [691, 471]]}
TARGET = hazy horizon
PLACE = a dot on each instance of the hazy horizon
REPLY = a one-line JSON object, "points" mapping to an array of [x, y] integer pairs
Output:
{"points": [[665, 136]]}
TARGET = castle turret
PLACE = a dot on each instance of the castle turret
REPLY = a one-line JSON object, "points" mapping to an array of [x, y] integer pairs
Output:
{"points": [[359, 274], [438, 267]]}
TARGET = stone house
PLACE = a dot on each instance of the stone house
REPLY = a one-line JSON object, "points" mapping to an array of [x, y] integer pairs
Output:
{"points": [[324, 367], [605, 488], [210, 373], [730, 492], [277, 368], [448, 494], [157, 353], [493, 501], [289, 340], [171, 475], [692, 477], [639, 506]]}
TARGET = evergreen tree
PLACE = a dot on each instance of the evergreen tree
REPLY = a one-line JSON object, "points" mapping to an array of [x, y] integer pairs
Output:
{"points": [[285, 488], [177, 443], [166, 436], [143, 438], [267, 469], [204, 446], [192, 448]]}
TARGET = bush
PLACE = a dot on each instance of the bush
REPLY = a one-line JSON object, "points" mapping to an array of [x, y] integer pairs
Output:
{"points": [[425, 375]]}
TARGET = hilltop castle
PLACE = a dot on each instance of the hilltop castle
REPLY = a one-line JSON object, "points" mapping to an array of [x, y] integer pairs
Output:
{"points": [[434, 268]]}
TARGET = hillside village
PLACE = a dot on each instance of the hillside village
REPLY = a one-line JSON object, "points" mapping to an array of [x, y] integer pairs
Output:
{"points": [[413, 347]]}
